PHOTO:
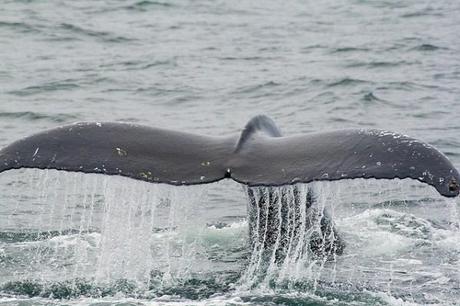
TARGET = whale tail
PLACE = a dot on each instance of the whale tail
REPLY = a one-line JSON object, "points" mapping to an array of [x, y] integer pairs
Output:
{"points": [[259, 157]]}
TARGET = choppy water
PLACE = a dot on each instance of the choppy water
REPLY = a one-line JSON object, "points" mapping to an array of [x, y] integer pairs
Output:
{"points": [[208, 66]]}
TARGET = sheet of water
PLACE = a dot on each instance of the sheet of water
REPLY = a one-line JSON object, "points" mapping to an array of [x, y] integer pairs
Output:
{"points": [[101, 236]]}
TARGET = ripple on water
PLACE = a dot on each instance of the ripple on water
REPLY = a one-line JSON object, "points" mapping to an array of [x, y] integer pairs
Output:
{"points": [[427, 47], [380, 64], [103, 36], [20, 27], [34, 116], [258, 88], [146, 5], [349, 50], [139, 64], [348, 81], [46, 87]]}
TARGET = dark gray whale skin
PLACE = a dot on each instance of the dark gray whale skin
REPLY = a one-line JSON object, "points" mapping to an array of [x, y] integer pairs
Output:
{"points": [[259, 157]]}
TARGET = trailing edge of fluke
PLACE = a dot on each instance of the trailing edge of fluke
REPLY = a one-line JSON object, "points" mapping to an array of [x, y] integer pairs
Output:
{"points": [[259, 156]]}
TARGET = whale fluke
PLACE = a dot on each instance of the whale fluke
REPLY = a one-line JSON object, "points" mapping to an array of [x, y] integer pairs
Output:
{"points": [[139, 152], [259, 157]]}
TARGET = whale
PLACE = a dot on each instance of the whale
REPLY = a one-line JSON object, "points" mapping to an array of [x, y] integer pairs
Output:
{"points": [[260, 158]]}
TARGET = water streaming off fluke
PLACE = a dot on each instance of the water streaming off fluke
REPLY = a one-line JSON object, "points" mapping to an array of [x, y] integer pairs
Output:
{"points": [[98, 236], [101, 228], [291, 232]]}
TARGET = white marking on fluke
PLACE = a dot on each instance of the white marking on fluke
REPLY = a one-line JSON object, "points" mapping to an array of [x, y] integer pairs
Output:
{"points": [[36, 152]]}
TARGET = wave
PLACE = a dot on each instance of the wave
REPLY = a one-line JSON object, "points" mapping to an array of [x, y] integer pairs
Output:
{"points": [[15, 237], [257, 87], [21, 27], [379, 64], [100, 35], [46, 87], [428, 11], [145, 5], [139, 64], [347, 81], [193, 288], [34, 116], [349, 49], [194, 291], [427, 47]]}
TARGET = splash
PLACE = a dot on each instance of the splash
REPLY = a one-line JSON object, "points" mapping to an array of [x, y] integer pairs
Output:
{"points": [[73, 235], [104, 228], [395, 240]]}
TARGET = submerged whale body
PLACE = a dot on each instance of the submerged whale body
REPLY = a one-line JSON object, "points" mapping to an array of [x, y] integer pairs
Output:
{"points": [[260, 158]]}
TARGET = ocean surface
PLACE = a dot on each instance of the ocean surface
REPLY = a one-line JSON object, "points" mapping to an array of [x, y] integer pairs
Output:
{"points": [[207, 67]]}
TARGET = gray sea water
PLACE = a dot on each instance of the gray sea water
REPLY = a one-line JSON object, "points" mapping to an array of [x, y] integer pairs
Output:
{"points": [[208, 67]]}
